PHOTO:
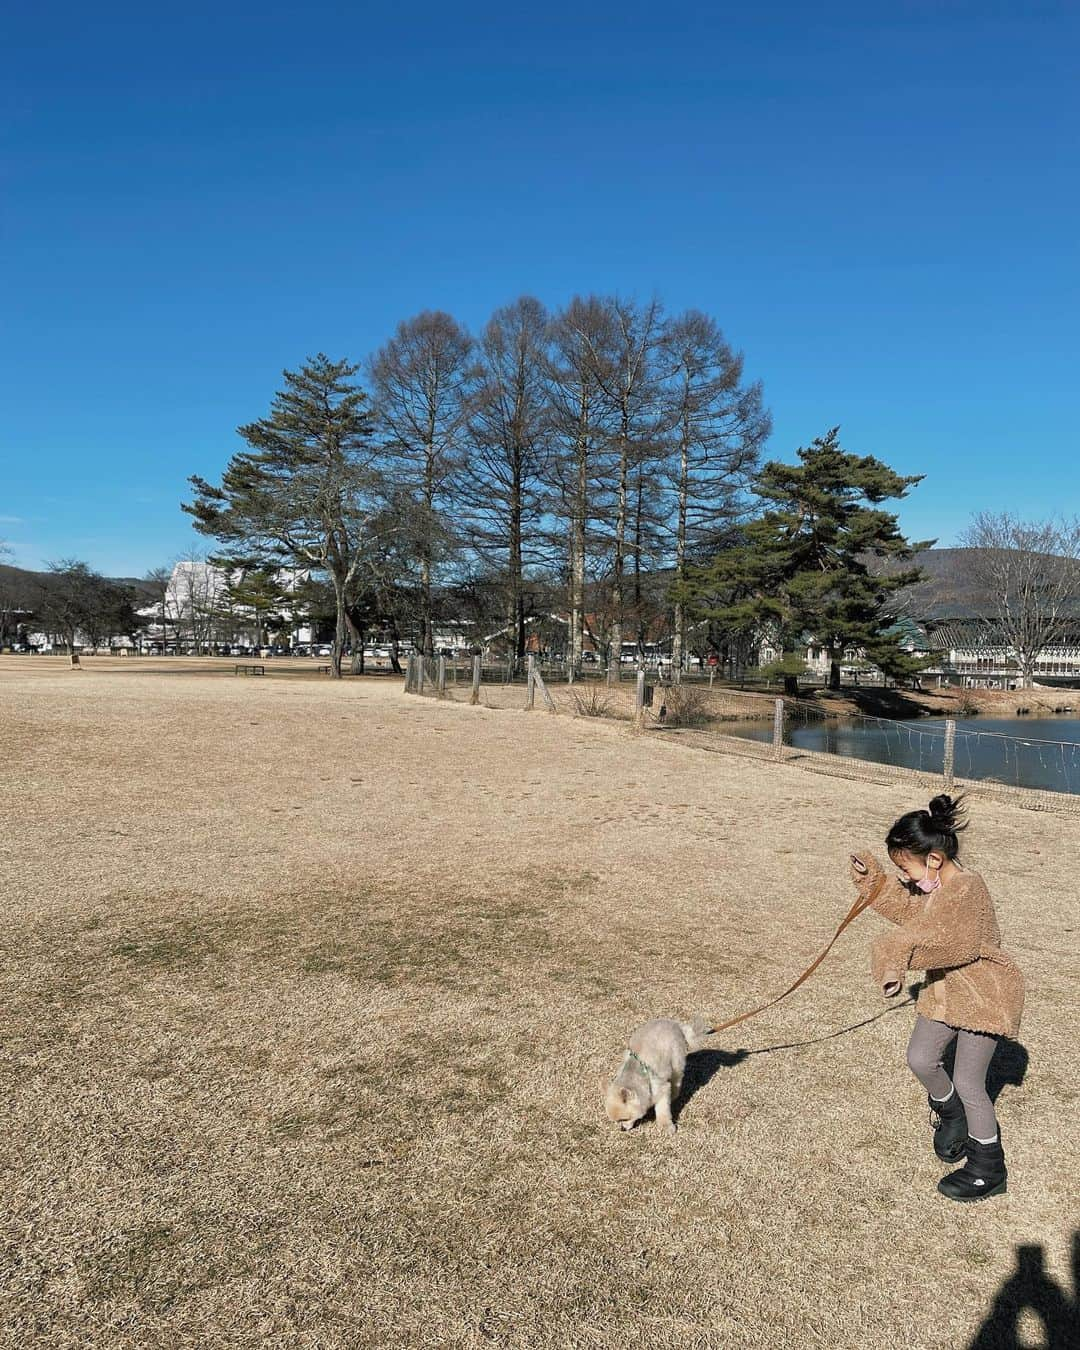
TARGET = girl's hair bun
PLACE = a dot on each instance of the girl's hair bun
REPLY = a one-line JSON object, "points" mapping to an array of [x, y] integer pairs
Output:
{"points": [[923, 832], [947, 813]]}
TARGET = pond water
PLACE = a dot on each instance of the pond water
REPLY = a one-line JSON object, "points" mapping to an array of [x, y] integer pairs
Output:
{"points": [[1023, 752]]}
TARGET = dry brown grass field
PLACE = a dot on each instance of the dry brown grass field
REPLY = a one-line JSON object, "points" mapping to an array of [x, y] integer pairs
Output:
{"points": [[309, 990]]}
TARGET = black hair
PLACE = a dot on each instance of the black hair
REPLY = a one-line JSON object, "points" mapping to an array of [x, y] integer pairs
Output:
{"points": [[932, 831]]}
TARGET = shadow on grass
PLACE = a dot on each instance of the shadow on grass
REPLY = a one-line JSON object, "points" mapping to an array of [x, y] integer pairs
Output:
{"points": [[1031, 1291], [702, 1067], [830, 1035], [1007, 1069]]}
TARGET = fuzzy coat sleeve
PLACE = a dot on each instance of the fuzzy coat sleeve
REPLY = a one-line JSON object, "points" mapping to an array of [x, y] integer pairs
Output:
{"points": [[897, 904], [943, 935], [894, 902]]}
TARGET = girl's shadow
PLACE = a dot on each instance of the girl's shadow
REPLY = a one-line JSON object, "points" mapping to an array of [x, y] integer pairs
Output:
{"points": [[1007, 1068]]}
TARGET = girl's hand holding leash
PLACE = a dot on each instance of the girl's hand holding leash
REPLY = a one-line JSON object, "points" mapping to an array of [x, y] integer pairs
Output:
{"points": [[865, 871]]}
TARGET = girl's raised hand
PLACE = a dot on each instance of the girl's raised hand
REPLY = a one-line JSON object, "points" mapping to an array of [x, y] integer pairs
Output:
{"points": [[864, 869]]}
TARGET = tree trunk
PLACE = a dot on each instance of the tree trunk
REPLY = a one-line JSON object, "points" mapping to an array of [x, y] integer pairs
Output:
{"points": [[577, 556], [615, 664], [517, 584], [678, 644], [356, 637], [395, 659], [791, 686], [834, 668], [339, 629]]}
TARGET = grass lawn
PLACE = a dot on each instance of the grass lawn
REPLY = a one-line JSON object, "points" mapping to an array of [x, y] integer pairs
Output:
{"points": [[309, 991]]}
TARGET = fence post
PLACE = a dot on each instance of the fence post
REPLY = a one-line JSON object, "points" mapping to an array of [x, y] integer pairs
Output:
{"points": [[409, 674], [950, 752], [778, 730], [639, 698], [538, 683], [422, 668], [440, 687], [530, 683], [475, 696]]}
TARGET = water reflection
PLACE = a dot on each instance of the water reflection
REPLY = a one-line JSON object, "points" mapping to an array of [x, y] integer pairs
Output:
{"points": [[1021, 752]]}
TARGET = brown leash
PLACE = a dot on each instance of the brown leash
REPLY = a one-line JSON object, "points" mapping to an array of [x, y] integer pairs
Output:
{"points": [[864, 902]]}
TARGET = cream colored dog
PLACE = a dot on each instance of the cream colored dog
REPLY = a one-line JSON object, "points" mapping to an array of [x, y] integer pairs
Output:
{"points": [[651, 1074]]}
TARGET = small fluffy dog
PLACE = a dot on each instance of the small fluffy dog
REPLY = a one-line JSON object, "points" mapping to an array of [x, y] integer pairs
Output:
{"points": [[652, 1072]]}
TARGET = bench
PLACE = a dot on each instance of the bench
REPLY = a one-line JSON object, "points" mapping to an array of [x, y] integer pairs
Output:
{"points": [[324, 670], [249, 670]]}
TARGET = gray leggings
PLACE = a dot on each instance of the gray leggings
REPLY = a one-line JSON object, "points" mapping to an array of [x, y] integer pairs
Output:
{"points": [[974, 1051]]}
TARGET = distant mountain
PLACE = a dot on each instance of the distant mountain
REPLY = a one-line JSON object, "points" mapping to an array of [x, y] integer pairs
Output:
{"points": [[949, 589], [18, 586]]}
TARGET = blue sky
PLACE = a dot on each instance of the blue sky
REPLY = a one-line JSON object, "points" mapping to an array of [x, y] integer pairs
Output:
{"points": [[877, 202]]}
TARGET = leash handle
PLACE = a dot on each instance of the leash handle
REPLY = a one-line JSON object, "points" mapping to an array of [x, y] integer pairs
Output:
{"points": [[863, 902]]}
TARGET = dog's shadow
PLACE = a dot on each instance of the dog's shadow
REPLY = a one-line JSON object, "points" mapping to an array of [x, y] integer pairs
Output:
{"points": [[701, 1068]]}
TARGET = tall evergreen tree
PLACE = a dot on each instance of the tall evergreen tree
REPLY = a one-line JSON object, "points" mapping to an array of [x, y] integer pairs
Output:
{"points": [[803, 569], [308, 494]]}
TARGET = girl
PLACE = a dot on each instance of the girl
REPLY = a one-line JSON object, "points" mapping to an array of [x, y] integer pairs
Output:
{"points": [[973, 991]]}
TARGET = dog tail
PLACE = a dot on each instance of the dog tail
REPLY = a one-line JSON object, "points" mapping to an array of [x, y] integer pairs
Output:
{"points": [[696, 1032]]}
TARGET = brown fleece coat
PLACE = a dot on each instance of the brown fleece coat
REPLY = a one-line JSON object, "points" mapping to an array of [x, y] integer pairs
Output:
{"points": [[952, 935]]}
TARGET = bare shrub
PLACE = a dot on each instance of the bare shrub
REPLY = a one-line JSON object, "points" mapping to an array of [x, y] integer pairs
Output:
{"points": [[687, 705], [592, 700]]}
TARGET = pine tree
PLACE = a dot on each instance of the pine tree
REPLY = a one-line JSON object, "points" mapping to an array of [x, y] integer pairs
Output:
{"points": [[811, 566], [308, 494]]}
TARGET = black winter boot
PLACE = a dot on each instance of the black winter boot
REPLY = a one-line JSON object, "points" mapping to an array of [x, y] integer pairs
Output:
{"points": [[982, 1176], [950, 1128]]}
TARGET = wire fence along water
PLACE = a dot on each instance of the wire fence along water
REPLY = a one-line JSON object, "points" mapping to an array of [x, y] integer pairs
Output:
{"points": [[976, 752], [979, 753]]}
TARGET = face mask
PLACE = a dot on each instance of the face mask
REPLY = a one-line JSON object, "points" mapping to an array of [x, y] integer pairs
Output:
{"points": [[929, 883]]}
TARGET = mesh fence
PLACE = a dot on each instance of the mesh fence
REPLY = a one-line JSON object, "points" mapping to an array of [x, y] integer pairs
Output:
{"points": [[852, 744]]}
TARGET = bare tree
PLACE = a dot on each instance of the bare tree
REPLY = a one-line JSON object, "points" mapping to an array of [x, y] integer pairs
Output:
{"points": [[579, 367], [73, 600], [422, 382], [717, 426], [508, 425], [158, 581], [1030, 572], [627, 375]]}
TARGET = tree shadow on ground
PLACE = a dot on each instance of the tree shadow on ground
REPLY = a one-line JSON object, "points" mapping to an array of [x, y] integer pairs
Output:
{"points": [[1032, 1291]]}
